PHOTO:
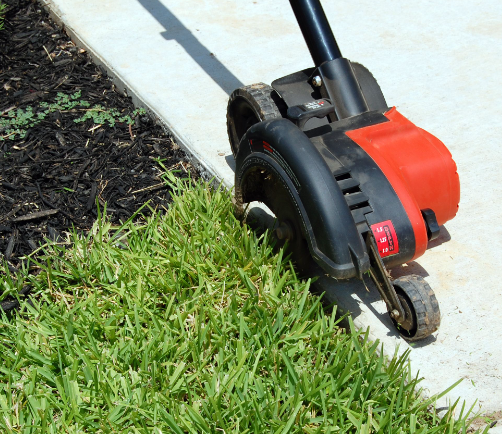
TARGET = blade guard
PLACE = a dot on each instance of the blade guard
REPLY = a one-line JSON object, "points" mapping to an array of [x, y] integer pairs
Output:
{"points": [[280, 147]]}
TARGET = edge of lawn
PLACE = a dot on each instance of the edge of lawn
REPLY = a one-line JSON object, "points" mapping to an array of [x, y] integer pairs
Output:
{"points": [[190, 321]]}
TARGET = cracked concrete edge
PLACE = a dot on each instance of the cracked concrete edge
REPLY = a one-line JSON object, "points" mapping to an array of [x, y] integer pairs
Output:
{"points": [[206, 170]]}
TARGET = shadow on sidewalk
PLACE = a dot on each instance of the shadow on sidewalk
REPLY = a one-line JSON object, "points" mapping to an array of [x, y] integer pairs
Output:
{"points": [[175, 30]]}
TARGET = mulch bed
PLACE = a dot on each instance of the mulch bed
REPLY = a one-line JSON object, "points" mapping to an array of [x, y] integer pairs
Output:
{"points": [[54, 177]]}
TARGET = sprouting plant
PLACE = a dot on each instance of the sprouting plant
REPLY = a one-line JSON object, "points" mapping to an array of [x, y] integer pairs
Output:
{"points": [[16, 123], [64, 102], [100, 115]]}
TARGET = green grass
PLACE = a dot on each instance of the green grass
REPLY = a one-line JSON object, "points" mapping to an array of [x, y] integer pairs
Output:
{"points": [[190, 323], [3, 8]]}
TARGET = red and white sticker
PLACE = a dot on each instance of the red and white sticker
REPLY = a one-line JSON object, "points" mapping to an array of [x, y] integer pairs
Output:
{"points": [[386, 238], [314, 105], [258, 145]]}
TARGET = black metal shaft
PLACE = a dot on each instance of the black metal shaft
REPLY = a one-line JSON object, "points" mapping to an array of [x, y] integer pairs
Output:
{"points": [[338, 77], [316, 30]]}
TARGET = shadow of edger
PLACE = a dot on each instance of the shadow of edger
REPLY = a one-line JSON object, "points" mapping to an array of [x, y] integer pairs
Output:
{"points": [[176, 30]]}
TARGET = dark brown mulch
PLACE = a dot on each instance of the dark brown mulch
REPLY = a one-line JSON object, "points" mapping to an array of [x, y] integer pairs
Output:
{"points": [[51, 179]]}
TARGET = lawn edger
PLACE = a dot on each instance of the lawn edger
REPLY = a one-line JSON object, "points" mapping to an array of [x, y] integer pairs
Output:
{"points": [[355, 186]]}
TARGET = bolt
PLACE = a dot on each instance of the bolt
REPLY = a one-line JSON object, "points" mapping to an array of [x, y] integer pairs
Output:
{"points": [[284, 232], [394, 314], [316, 81]]}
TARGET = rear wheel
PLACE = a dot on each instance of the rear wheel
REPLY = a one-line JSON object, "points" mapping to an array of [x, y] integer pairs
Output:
{"points": [[247, 106], [370, 88], [422, 315]]}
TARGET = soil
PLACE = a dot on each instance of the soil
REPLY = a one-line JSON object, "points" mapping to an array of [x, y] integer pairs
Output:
{"points": [[54, 178], [492, 419]]}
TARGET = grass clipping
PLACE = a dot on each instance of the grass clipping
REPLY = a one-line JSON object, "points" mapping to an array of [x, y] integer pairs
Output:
{"points": [[189, 323]]}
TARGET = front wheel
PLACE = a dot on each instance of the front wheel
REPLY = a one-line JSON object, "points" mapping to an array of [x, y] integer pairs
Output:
{"points": [[420, 305]]}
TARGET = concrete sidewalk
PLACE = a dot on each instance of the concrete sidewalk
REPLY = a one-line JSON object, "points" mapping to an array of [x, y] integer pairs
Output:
{"points": [[439, 63]]}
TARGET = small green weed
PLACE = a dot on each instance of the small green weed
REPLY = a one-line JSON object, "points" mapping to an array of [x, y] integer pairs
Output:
{"points": [[190, 323], [63, 102], [3, 7], [100, 115], [15, 123]]}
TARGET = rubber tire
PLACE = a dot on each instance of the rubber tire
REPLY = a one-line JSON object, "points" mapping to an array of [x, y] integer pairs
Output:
{"points": [[370, 88], [247, 106], [418, 298]]}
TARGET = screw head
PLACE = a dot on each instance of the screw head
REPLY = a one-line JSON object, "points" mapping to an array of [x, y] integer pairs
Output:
{"points": [[316, 81], [284, 232], [394, 314]]}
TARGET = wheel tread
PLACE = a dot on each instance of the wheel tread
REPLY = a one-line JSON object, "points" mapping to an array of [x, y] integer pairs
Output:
{"points": [[259, 97], [424, 303]]}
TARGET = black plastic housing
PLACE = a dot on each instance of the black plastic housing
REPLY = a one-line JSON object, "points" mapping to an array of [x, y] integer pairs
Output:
{"points": [[333, 238], [337, 187]]}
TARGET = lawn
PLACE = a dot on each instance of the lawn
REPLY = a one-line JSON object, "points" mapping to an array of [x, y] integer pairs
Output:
{"points": [[189, 322], [181, 321]]}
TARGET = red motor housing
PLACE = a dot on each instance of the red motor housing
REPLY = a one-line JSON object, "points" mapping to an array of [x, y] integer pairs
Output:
{"points": [[418, 166]]}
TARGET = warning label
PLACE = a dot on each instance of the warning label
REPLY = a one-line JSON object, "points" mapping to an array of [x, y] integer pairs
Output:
{"points": [[386, 238], [314, 105]]}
